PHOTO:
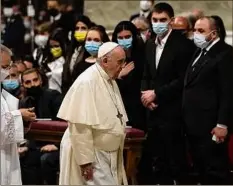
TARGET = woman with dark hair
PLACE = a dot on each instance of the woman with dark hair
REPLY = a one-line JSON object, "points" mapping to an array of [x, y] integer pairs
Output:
{"points": [[129, 80], [220, 27], [53, 64], [76, 51], [96, 36]]}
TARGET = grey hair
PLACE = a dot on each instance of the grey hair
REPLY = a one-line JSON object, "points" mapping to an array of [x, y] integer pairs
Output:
{"points": [[143, 20], [6, 49]]}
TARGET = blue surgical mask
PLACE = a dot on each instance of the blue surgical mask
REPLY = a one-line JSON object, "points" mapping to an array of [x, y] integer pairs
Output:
{"points": [[92, 47], [160, 28], [10, 84], [200, 40], [125, 43]]}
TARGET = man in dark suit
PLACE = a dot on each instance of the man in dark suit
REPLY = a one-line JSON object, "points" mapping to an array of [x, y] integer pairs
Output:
{"points": [[167, 57], [207, 103]]}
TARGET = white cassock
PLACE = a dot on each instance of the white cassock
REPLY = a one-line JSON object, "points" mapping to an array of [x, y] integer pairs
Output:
{"points": [[11, 134], [55, 75], [95, 134]]}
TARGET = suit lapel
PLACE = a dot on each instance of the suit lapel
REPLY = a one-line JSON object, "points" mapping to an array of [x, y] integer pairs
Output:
{"points": [[208, 56], [197, 70], [153, 52], [189, 68]]}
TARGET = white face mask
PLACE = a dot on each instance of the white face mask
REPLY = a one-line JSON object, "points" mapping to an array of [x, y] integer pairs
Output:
{"points": [[41, 40], [27, 24], [145, 5], [4, 74], [8, 12], [200, 40]]}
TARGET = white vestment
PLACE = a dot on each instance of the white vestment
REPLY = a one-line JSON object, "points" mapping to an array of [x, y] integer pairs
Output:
{"points": [[11, 134], [95, 134]]}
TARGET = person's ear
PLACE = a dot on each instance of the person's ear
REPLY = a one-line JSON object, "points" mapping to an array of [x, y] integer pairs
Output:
{"points": [[171, 22], [105, 60]]}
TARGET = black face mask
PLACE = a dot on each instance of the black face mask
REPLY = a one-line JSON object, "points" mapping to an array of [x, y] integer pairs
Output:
{"points": [[53, 12], [182, 31], [34, 91]]}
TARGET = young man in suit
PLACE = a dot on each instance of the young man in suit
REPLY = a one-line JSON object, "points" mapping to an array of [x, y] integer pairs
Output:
{"points": [[207, 103], [167, 57]]}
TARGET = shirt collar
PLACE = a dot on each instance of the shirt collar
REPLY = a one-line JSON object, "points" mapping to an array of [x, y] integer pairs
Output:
{"points": [[146, 14], [212, 44], [163, 41], [102, 72], [57, 17]]}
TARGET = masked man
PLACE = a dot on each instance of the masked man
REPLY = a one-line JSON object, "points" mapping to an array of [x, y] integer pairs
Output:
{"points": [[11, 128]]}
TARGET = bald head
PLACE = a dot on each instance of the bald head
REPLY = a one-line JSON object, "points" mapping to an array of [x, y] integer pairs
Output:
{"points": [[180, 23], [208, 23]]}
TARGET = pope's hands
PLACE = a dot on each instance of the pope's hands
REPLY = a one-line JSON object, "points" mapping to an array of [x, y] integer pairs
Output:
{"points": [[87, 171], [148, 98], [28, 114]]}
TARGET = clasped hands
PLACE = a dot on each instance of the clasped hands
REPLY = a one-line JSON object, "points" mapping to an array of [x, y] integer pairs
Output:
{"points": [[148, 98]]}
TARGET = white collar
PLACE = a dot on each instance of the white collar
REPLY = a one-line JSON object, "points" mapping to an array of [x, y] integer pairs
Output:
{"points": [[212, 44], [146, 14], [57, 17], [163, 41]]}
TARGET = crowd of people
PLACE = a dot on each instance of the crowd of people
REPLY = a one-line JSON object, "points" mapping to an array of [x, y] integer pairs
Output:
{"points": [[174, 75]]}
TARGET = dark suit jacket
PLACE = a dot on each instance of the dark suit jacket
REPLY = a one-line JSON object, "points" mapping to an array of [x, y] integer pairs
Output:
{"points": [[167, 80], [46, 105], [207, 98]]}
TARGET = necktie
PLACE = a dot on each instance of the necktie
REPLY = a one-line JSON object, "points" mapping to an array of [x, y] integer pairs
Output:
{"points": [[198, 62]]}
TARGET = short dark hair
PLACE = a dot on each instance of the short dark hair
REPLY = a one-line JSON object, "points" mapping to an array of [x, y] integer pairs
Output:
{"points": [[220, 27], [30, 71], [164, 7]]}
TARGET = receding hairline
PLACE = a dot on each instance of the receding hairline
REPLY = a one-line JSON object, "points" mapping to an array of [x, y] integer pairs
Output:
{"points": [[212, 22], [6, 49]]}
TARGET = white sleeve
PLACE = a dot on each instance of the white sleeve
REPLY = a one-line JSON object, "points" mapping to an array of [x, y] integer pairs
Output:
{"points": [[19, 128], [7, 128]]}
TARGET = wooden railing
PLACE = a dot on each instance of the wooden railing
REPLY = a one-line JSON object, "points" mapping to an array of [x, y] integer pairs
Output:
{"points": [[52, 131]]}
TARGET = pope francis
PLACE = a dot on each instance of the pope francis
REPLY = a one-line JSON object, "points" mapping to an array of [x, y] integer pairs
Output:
{"points": [[92, 145]]}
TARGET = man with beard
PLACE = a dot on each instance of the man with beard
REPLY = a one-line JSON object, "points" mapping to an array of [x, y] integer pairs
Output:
{"points": [[46, 103]]}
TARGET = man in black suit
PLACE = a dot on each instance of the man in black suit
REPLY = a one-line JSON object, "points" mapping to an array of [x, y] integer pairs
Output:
{"points": [[167, 57], [207, 103]]}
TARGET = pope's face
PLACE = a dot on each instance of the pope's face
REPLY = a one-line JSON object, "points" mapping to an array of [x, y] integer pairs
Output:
{"points": [[115, 62]]}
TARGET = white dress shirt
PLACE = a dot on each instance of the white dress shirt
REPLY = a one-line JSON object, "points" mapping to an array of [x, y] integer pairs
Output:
{"points": [[159, 48], [144, 14], [56, 18]]}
